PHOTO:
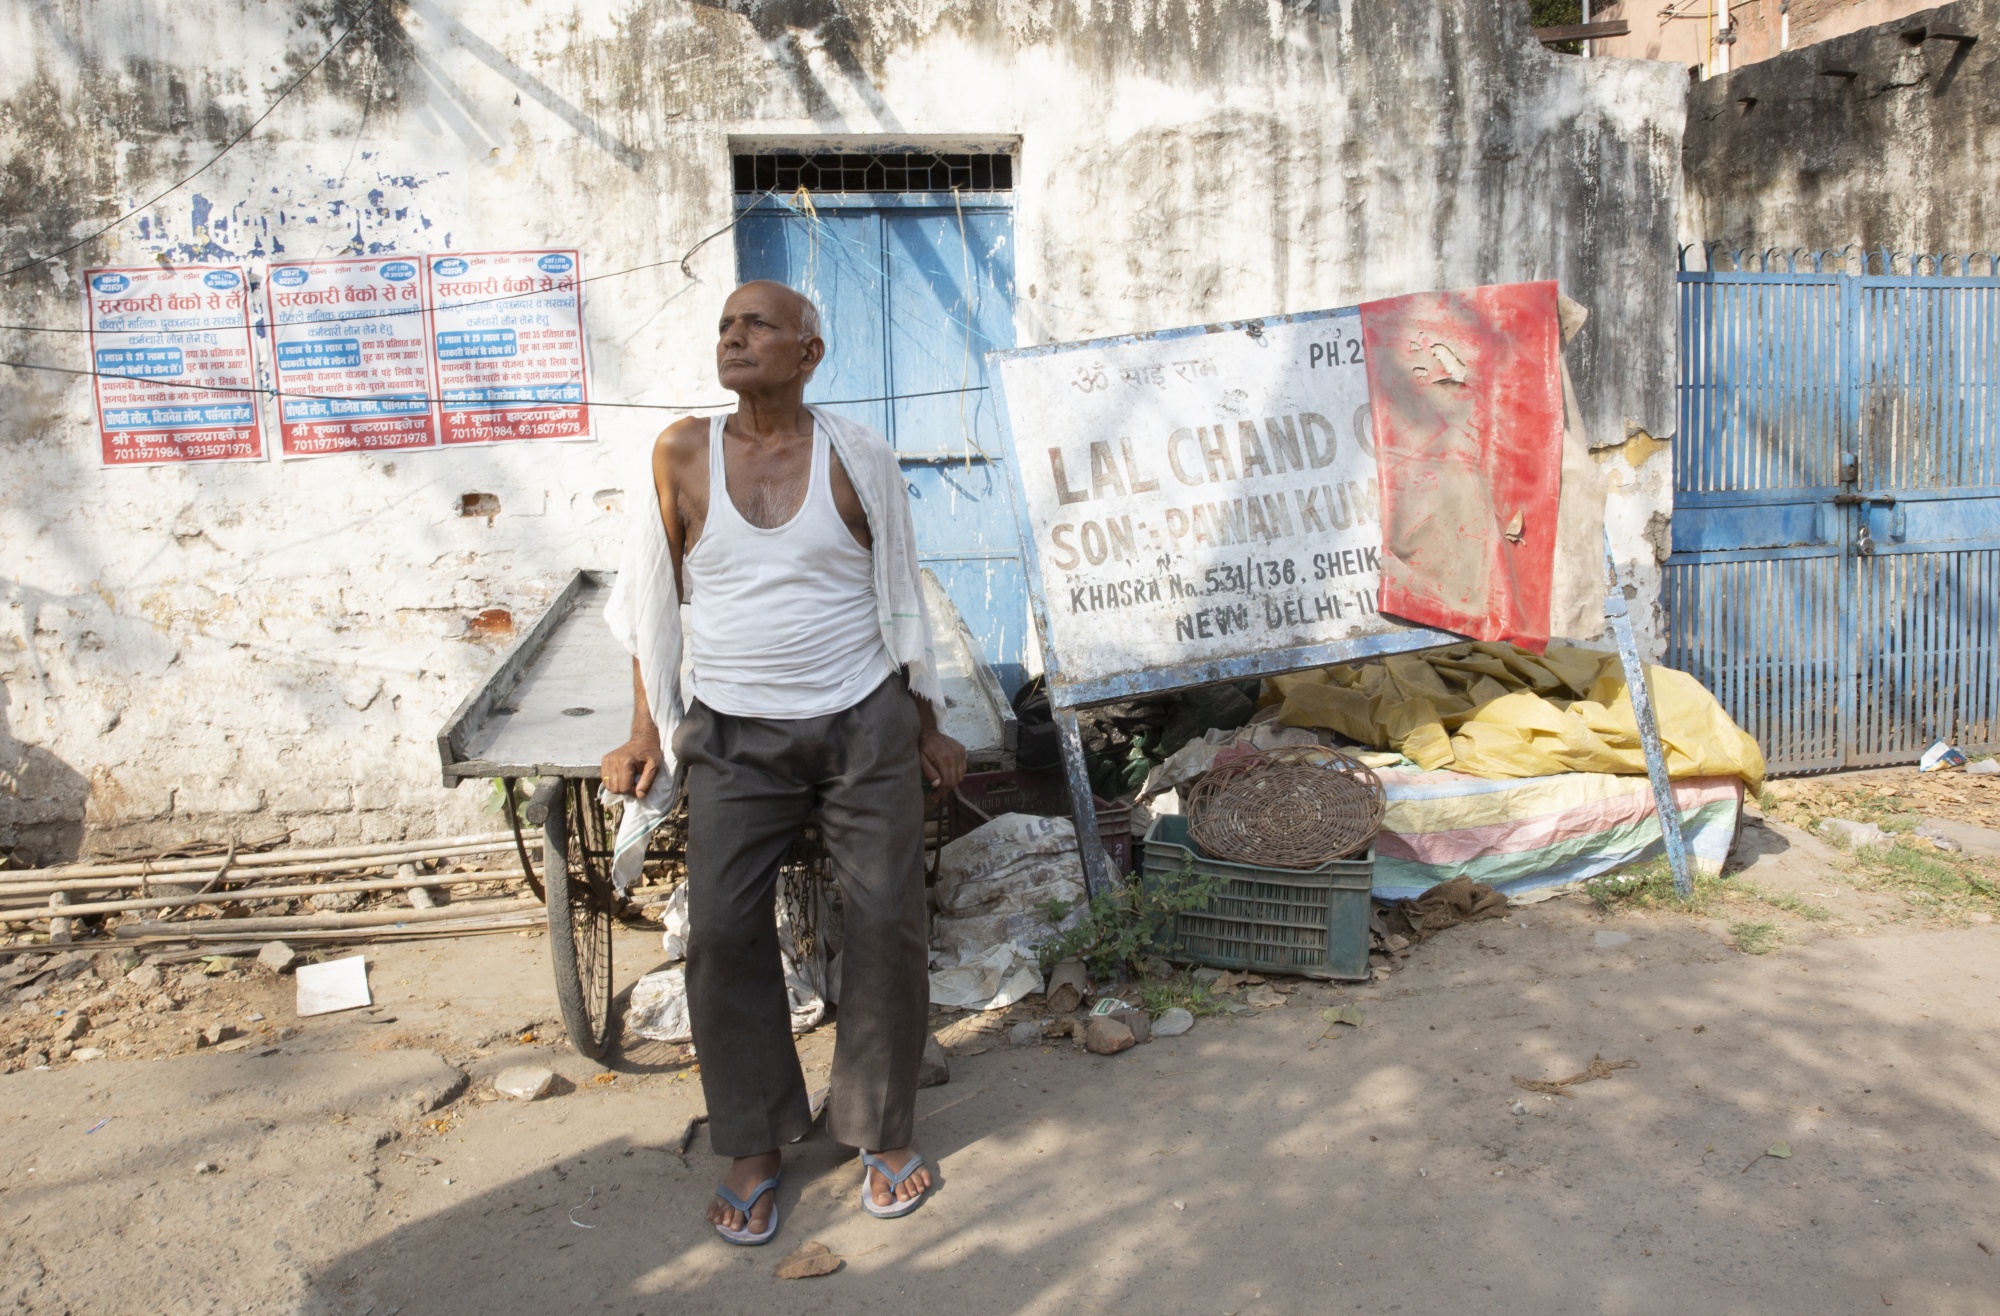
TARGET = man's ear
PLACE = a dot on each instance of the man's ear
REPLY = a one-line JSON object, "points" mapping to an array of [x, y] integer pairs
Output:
{"points": [[813, 353]]}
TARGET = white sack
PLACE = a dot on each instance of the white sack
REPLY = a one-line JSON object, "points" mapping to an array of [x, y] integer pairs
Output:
{"points": [[805, 984], [1013, 864], [674, 941], [994, 886]]}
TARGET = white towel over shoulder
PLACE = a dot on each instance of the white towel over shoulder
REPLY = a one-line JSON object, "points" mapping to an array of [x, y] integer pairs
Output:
{"points": [[644, 611]]}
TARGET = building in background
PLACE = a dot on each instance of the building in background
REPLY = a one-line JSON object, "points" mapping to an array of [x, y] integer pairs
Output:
{"points": [[258, 648], [1710, 37]]}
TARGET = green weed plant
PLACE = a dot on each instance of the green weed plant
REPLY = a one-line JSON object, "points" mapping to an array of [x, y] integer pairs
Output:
{"points": [[1129, 924], [1182, 989], [1650, 885]]}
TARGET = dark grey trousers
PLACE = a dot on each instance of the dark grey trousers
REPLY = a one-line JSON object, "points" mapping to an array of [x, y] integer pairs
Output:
{"points": [[751, 784]]}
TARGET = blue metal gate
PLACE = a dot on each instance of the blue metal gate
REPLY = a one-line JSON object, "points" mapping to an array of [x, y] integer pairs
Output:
{"points": [[915, 289], [1835, 574]]}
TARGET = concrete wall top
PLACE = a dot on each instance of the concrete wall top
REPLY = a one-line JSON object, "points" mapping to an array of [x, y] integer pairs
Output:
{"points": [[1869, 140]]}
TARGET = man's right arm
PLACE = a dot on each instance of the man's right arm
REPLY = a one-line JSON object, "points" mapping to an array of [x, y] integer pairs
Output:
{"points": [[631, 768]]}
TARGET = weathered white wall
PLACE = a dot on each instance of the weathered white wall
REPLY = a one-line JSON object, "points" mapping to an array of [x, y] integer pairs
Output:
{"points": [[242, 649]]}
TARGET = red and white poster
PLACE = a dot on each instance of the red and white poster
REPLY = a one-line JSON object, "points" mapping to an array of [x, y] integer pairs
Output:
{"points": [[170, 345], [507, 346], [348, 345]]}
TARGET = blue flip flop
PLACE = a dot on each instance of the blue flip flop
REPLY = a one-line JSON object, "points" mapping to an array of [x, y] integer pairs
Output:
{"points": [[869, 1162], [743, 1237]]}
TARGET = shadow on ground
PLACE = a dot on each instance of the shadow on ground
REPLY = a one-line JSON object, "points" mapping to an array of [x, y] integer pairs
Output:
{"points": [[1252, 1167]]}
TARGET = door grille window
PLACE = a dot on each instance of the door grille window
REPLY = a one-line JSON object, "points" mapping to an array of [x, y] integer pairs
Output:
{"points": [[885, 171]]}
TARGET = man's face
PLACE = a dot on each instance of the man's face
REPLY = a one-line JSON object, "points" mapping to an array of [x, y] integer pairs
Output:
{"points": [[758, 345]]}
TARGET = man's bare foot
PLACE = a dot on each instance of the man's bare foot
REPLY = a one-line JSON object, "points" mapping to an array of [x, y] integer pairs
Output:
{"points": [[878, 1186], [745, 1173]]}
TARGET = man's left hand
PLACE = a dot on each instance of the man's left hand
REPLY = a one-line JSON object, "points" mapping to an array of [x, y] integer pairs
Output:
{"points": [[943, 760]]}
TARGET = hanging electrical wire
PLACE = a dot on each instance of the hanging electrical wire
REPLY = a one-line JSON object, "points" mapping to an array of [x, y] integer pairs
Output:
{"points": [[262, 391]]}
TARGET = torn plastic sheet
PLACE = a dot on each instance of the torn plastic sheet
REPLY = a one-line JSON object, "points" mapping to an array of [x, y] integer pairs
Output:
{"points": [[1466, 404], [994, 980], [658, 1007]]}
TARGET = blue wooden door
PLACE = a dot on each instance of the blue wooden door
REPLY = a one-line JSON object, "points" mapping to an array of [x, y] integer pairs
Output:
{"points": [[914, 291], [1835, 575]]}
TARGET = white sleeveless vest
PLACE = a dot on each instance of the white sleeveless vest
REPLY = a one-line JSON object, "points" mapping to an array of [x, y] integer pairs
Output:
{"points": [[784, 621]]}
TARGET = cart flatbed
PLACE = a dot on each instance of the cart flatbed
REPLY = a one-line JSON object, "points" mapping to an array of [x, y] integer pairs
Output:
{"points": [[559, 699]]}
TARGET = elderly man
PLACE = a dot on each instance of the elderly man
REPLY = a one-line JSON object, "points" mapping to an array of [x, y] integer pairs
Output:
{"points": [[787, 530]]}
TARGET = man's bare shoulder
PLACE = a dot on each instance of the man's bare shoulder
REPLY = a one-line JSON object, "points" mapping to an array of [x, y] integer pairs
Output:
{"points": [[682, 441]]}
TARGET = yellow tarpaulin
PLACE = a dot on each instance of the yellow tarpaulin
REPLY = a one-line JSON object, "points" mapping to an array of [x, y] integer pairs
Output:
{"points": [[1493, 710]]}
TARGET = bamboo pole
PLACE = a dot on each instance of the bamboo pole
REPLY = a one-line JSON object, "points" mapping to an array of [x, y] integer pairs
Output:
{"points": [[237, 872], [388, 851], [250, 895], [215, 936], [383, 918]]}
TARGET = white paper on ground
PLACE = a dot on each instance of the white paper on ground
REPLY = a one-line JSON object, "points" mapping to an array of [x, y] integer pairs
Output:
{"points": [[994, 981], [334, 985], [658, 1009]]}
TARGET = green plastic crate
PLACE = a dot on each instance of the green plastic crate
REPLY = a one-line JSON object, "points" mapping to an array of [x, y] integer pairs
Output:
{"points": [[1310, 922]]}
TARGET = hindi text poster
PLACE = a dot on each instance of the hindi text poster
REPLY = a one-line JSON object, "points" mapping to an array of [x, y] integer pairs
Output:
{"points": [[175, 378], [507, 348], [351, 358]]}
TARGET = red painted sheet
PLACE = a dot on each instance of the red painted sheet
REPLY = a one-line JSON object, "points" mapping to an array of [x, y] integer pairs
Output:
{"points": [[1465, 398]]}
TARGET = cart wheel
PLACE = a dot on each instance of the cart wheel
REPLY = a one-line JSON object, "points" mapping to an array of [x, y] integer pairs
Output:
{"points": [[582, 905]]}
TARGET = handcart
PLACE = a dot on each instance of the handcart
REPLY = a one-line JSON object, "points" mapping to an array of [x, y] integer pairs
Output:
{"points": [[558, 700]]}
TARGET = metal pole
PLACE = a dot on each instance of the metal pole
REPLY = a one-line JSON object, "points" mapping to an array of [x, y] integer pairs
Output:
{"points": [[1649, 733], [1096, 875]]}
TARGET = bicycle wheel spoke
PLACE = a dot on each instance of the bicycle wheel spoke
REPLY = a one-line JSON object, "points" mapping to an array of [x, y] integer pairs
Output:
{"points": [[590, 911]]}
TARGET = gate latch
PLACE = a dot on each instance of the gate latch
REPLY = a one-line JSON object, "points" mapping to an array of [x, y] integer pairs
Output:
{"points": [[1855, 500]]}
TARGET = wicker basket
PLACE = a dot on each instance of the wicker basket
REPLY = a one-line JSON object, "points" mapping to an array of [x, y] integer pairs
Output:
{"points": [[1295, 807]]}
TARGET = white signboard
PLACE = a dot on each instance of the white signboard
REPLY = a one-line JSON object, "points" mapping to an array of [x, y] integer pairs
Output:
{"points": [[1198, 497]]}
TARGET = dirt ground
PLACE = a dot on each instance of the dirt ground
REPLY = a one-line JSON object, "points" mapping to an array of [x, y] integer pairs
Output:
{"points": [[361, 1163]]}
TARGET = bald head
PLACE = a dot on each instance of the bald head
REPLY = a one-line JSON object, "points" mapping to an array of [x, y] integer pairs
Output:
{"points": [[805, 315], [768, 338]]}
